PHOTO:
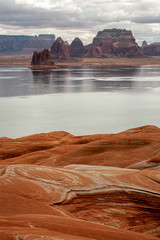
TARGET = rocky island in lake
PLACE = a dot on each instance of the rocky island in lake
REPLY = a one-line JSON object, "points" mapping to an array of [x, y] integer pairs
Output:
{"points": [[42, 61]]}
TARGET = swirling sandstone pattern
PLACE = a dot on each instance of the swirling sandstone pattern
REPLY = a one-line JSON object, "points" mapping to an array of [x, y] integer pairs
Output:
{"points": [[59, 186]]}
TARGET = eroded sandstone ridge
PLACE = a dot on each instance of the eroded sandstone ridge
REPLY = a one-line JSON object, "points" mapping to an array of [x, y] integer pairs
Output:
{"points": [[60, 186], [42, 61]]}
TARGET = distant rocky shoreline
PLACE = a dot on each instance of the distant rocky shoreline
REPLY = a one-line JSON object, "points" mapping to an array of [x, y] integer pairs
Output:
{"points": [[109, 47]]}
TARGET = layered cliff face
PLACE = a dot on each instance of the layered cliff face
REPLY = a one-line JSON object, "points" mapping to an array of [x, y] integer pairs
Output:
{"points": [[116, 35], [151, 49], [76, 48], [42, 60], [60, 186], [59, 50], [117, 42], [93, 51], [14, 43]]}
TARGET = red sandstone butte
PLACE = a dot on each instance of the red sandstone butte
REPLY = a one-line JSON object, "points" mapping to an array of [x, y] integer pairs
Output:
{"points": [[42, 61], [59, 186], [60, 50], [116, 42], [76, 48]]}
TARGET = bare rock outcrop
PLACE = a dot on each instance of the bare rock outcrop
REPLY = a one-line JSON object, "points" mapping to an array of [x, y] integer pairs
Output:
{"points": [[152, 49], [94, 52], [42, 60], [117, 35], [117, 42], [59, 186], [77, 48], [60, 51], [126, 49], [25, 44]]}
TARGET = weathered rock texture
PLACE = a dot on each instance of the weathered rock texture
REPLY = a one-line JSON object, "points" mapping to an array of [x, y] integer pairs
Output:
{"points": [[94, 52], [60, 50], [151, 49], [58, 186], [117, 42], [42, 60], [77, 48], [19, 43]]}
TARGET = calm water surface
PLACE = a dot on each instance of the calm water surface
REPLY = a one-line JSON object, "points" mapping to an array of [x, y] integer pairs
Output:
{"points": [[80, 100]]}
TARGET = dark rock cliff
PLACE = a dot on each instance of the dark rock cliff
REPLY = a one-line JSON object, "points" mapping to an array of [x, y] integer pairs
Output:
{"points": [[42, 60], [77, 48]]}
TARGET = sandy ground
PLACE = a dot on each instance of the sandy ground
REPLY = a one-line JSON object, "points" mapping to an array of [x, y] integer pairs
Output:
{"points": [[25, 59]]}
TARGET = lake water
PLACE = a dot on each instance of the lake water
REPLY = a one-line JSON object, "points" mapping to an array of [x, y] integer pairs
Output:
{"points": [[80, 100]]}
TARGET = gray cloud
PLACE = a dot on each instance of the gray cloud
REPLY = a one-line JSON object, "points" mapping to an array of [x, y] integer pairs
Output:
{"points": [[83, 15], [147, 19]]}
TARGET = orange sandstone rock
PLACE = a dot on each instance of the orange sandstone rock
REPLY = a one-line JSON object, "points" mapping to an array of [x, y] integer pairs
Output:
{"points": [[58, 186]]}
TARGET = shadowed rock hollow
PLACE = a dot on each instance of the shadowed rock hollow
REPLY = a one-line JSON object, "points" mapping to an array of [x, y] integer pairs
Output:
{"points": [[59, 186]]}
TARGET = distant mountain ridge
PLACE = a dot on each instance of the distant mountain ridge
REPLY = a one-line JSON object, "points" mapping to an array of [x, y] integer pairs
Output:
{"points": [[107, 43], [25, 43]]}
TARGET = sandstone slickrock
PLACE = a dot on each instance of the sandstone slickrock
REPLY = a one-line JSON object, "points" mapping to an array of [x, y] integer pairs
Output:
{"points": [[24, 43], [59, 186], [77, 48], [152, 49], [59, 50], [42, 60]]}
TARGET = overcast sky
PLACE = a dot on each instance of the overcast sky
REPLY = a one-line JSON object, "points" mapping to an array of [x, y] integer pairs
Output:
{"points": [[81, 18]]}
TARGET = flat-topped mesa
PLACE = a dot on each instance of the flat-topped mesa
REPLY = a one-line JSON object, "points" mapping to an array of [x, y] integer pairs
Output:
{"points": [[24, 43], [42, 60], [60, 51], [117, 42], [77, 48], [116, 35]]}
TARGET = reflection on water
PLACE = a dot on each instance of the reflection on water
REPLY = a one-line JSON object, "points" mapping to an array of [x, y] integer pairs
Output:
{"points": [[97, 79], [98, 100], [20, 81], [41, 77]]}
